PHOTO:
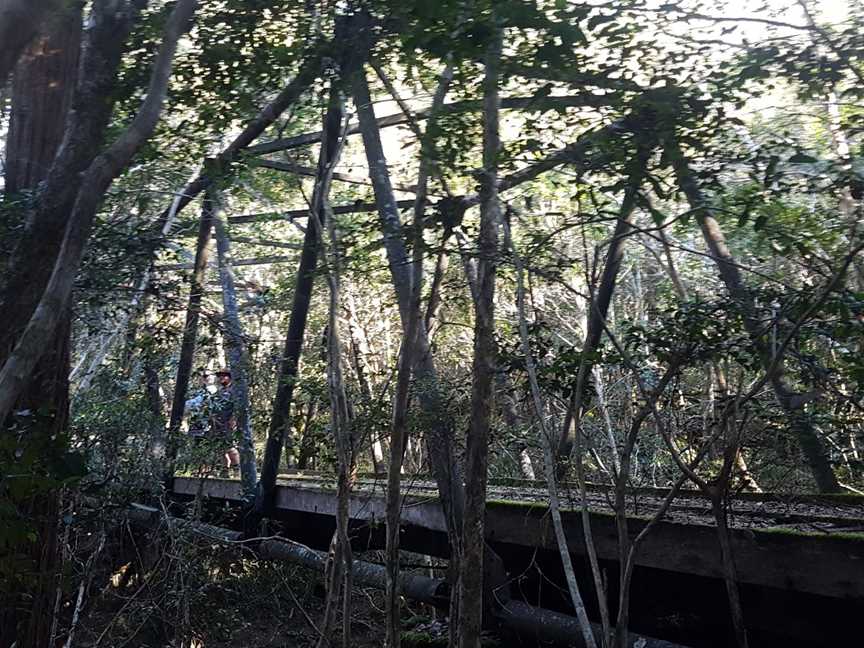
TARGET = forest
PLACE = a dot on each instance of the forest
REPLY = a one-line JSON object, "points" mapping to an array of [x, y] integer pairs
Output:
{"points": [[431, 323]]}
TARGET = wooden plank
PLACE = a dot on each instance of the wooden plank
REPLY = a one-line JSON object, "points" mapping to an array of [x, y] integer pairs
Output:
{"points": [[828, 565]]}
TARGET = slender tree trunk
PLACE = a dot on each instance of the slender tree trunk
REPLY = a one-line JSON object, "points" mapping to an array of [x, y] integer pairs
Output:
{"points": [[715, 371], [800, 423], [548, 452], [153, 389], [359, 354], [599, 309], [473, 597], [440, 437], [190, 330], [506, 401], [434, 303], [340, 581], [238, 356], [398, 444], [307, 442], [280, 421]]}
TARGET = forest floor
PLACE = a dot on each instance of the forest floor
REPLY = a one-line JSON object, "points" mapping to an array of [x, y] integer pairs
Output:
{"points": [[216, 600]]}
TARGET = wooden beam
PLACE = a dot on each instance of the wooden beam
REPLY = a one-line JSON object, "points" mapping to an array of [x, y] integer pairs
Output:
{"points": [[266, 243], [581, 100], [303, 213], [299, 169], [265, 260]]}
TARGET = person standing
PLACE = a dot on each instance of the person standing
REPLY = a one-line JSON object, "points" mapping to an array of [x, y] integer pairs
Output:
{"points": [[223, 423]]}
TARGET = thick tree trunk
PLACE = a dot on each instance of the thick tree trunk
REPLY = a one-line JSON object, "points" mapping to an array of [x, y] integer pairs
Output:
{"points": [[43, 324], [473, 597], [190, 330], [20, 23], [42, 89], [238, 356], [800, 423], [46, 321], [31, 263]]}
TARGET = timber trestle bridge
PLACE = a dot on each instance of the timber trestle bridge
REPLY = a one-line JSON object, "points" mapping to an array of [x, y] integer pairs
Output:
{"points": [[799, 559]]}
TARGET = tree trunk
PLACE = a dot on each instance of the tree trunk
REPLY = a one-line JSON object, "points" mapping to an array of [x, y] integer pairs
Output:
{"points": [[307, 442], [800, 424], [473, 597], [20, 23], [599, 309], [340, 580], [440, 438], [359, 353], [190, 330], [398, 443], [42, 89], [156, 443], [46, 321], [280, 421], [506, 401], [238, 356], [548, 452], [31, 263]]}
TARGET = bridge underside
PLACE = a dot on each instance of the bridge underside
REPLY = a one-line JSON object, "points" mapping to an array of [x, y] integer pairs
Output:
{"points": [[799, 588]]}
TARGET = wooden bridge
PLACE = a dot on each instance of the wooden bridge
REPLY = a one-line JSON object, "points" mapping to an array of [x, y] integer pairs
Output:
{"points": [[800, 560]]}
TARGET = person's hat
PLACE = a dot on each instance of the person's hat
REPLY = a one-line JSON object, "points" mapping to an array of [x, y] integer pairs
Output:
{"points": [[222, 371]]}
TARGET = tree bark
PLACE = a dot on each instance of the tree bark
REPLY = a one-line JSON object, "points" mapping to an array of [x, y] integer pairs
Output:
{"points": [[20, 22], [473, 597], [190, 330], [42, 90], [31, 263], [54, 300], [238, 356], [440, 439], [280, 420], [800, 423], [599, 309]]}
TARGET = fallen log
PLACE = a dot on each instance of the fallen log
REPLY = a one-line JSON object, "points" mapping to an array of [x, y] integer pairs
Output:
{"points": [[513, 616]]}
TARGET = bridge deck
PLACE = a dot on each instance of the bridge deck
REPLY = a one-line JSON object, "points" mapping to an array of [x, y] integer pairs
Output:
{"points": [[811, 545]]}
